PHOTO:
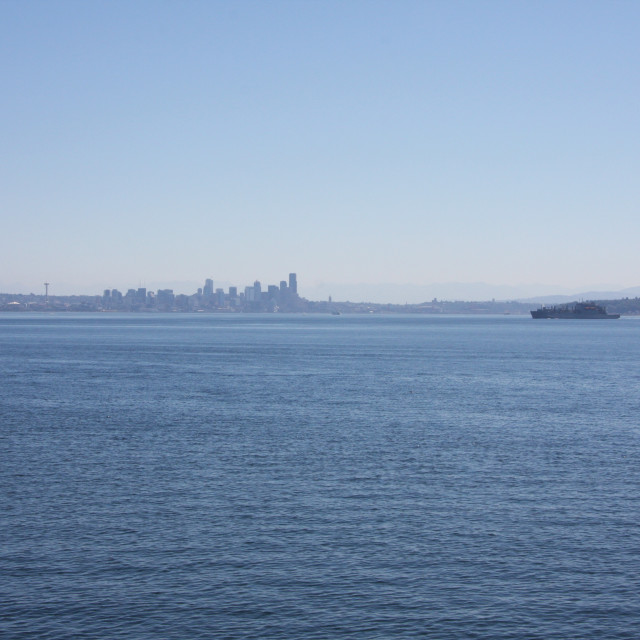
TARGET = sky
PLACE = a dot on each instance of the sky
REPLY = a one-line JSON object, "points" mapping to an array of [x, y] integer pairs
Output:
{"points": [[356, 143]]}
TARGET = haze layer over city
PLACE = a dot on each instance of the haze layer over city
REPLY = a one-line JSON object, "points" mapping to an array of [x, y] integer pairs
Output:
{"points": [[391, 151]]}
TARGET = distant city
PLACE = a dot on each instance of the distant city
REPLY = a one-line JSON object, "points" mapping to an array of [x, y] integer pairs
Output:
{"points": [[281, 297], [256, 298]]}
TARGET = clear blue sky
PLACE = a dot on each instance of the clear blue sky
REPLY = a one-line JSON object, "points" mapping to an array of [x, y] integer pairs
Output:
{"points": [[351, 142]]}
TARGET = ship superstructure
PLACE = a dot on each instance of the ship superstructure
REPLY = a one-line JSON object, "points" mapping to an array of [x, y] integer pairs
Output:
{"points": [[575, 311]]}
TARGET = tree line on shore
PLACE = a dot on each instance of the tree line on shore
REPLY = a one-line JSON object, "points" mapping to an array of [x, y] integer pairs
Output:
{"points": [[32, 302]]}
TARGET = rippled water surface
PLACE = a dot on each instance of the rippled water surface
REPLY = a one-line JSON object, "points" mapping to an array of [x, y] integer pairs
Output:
{"points": [[247, 476]]}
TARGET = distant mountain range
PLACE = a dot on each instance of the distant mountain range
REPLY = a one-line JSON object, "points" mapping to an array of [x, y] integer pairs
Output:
{"points": [[474, 291], [631, 292]]}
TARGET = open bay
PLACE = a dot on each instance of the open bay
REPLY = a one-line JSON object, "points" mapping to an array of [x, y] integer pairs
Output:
{"points": [[291, 476]]}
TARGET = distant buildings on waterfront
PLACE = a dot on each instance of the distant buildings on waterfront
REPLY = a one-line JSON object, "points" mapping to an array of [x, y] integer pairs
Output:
{"points": [[254, 298], [282, 297]]}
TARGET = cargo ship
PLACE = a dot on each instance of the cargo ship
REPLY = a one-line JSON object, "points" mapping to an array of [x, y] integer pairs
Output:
{"points": [[575, 311]]}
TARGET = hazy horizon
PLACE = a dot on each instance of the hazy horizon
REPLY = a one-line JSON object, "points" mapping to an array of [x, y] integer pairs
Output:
{"points": [[379, 293], [362, 142]]}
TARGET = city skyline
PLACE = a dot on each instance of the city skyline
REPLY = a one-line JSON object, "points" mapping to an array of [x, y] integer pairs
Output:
{"points": [[280, 297], [283, 297], [382, 294], [366, 143]]}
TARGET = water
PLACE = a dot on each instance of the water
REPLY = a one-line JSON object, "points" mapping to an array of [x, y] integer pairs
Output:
{"points": [[207, 476]]}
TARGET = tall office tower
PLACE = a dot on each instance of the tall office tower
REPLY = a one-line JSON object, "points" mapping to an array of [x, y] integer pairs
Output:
{"points": [[233, 292], [283, 286], [208, 288], [293, 283], [257, 290], [165, 297]]}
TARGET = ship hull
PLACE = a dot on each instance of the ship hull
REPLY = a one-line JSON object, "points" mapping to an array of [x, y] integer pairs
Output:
{"points": [[540, 313], [575, 311]]}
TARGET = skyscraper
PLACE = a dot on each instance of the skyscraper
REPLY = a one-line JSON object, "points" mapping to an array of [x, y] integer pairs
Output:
{"points": [[208, 288], [293, 284]]}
